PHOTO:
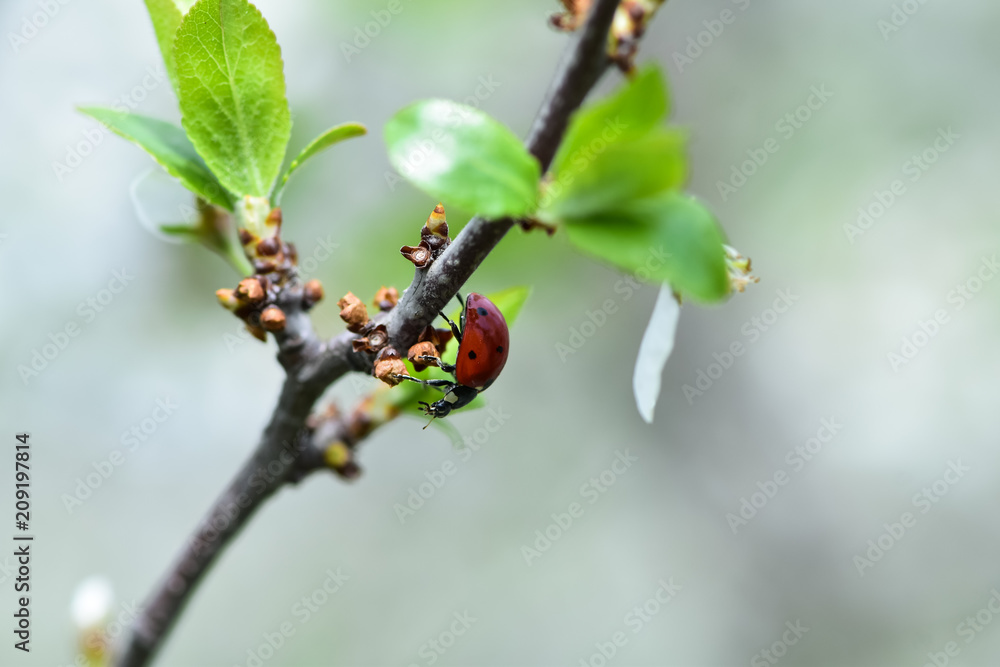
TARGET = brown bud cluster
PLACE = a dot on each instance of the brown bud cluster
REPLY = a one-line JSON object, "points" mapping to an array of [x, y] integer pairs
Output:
{"points": [[270, 256], [255, 301], [388, 365], [433, 240], [353, 311]]}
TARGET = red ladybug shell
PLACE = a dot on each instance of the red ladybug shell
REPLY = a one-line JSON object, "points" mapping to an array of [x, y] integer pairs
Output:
{"points": [[483, 351]]}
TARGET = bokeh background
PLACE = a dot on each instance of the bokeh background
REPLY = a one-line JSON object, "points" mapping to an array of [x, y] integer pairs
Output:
{"points": [[826, 357]]}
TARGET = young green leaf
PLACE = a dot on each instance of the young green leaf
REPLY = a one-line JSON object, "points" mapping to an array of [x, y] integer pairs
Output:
{"points": [[458, 154], [214, 230], [637, 108], [654, 350], [166, 16], [318, 145], [668, 238], [231, 87], [620, 174], [170, 147]]}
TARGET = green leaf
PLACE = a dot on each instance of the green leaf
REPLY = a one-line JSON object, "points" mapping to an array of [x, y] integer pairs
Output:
{"points": [[232, 93], [170, 147], [620, 174], [318, 145], [462, 156], [668, 238], [166, 16], [638, 107]]}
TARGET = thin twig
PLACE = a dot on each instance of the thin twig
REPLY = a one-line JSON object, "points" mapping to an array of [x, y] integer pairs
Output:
{"points": [[312, 366]]}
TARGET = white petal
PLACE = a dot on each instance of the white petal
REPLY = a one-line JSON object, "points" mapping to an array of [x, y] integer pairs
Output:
{"points": [[657, 344], [92, 602]]}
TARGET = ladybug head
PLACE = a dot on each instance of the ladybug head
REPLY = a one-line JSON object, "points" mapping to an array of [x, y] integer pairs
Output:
{"points": [[436, 409]]}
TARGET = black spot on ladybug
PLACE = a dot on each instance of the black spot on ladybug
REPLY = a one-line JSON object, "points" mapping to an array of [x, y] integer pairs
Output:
{"points": [[500, 349], [482, 311], [472, 354]]}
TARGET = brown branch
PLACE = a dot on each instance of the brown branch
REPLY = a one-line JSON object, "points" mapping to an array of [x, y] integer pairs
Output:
{"points": [[312, 365]]}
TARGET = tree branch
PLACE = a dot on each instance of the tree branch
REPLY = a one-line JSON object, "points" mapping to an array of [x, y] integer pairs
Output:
{"points": [[312, 365]]}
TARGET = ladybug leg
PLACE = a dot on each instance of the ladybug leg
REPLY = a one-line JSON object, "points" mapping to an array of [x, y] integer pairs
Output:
{"points": [[440, 384], [461, 317], [454, 328], [436, 361]]}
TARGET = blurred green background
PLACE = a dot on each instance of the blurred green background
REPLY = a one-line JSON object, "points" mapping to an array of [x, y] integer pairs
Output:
{"points": [[164, 337]]}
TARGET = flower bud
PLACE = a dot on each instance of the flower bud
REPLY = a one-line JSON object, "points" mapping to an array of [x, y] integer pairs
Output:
{"points": [[419, 350], [353, 312], [386, 298], [312, 293], [435, 231], [739, 269], [273, 319], [227, 298], [377, 338], [268, 247], [439, 337], [250, 290], [420, 255], [337, 455], [388, 365]]}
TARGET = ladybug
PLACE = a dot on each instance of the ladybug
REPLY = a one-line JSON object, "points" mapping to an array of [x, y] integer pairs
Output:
{"points": [[483, 340]]}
